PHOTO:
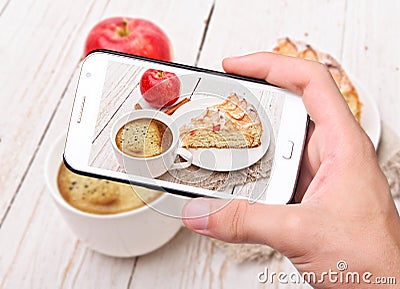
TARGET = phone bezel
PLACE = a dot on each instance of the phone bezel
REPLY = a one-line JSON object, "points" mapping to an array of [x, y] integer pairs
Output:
{"points": [[284, 175]]}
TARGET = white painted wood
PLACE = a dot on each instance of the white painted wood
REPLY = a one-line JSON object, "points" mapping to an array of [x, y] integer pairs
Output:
{"points": [[34, 231], [192, 261], [38, 245], [40, 46], [237, 28], [183, 21], [120, 94], [37, 249], [93, 270], [370, 54], [3, 5], [121, 80], [40, 49]]}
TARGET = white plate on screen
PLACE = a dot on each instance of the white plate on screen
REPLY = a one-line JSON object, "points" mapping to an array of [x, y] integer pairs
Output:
{"points": [[370, 119], [222, 160]]}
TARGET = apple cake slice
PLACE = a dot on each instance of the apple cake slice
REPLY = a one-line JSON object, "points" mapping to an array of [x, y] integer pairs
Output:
{"points": [[233, 123], [300, 49]]}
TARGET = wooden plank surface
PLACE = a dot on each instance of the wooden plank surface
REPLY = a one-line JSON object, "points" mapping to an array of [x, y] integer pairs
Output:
{"points": [[50, 42], [200, 264], [370, 54], [237, 29], [34, 239], [41, 48]]}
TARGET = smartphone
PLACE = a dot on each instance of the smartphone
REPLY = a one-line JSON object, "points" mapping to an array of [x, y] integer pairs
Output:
{"points": [[185, 130]]}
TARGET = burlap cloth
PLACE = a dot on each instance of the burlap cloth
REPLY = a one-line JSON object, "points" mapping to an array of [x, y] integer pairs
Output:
{"points": [[389, 160]]}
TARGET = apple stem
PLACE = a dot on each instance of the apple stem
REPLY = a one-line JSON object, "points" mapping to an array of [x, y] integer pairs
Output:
{"points": [[122, 31], [160, 74]]}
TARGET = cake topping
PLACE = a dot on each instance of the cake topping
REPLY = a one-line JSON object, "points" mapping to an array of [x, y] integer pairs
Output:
{"points": [[234, 123]]}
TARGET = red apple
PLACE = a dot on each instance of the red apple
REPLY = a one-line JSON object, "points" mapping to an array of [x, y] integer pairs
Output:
{"points": [[133, 36], [160, 88]]}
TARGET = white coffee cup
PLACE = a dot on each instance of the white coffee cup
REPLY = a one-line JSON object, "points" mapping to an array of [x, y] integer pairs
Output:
{"points": [[155, 166], [126, 234]]}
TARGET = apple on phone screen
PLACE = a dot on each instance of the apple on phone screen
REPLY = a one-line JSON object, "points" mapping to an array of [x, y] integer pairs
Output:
{"points": [[185, 130]]}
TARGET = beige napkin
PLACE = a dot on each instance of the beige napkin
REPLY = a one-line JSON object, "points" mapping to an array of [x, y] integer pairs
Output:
{"points": [[389, 160]]}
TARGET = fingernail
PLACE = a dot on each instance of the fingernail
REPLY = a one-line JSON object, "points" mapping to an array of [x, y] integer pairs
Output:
{"points": [[232, 57], [196, 214]]}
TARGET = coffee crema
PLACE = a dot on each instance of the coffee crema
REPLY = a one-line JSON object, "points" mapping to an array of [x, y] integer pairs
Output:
{"points": [[144, 138], [98, 196]]}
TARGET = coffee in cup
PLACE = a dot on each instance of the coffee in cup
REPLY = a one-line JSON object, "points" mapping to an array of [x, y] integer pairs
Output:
{"points": [[146, 143], [135, 232], [99, 196], [144, 137]]}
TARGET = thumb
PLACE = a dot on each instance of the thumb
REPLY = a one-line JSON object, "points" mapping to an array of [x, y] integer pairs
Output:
{"points": [[239, 221]]}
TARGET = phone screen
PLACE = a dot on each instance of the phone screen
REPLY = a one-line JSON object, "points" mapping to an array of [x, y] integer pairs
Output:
{"points": [[187, 128]]}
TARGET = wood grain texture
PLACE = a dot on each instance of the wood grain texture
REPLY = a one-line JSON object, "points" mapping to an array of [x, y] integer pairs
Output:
{"points": [[120, 93], [37, 248], [46, 52], [34, 229], [41, 48], [36, 242], [193, 261], [3, 5], [236, 30], [183, 21], [370, 54], [41, 45], [121, 80]]}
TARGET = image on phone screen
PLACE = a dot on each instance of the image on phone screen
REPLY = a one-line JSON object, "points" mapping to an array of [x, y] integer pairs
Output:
{"points": [[180, 128]]}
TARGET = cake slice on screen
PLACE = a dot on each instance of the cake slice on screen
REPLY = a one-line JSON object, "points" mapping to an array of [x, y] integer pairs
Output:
{"points": [[234, 123]]}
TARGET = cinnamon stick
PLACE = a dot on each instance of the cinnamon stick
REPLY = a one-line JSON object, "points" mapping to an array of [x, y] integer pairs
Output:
{"points": [[177, 105]]}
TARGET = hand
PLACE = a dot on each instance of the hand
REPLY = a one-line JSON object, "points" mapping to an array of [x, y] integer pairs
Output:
{"points": [[344, 210]]}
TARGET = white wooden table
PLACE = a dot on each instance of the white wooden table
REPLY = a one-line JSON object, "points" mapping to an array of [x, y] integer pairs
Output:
{"points": [[41, 43]]}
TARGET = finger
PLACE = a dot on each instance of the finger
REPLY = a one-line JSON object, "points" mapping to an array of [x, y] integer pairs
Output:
{"points": [[310, 163], [310, 79], [240, 221]]}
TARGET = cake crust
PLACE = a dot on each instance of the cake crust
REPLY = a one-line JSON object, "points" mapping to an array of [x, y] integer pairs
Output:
{"points": [[234, 123], [303, 50]]}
